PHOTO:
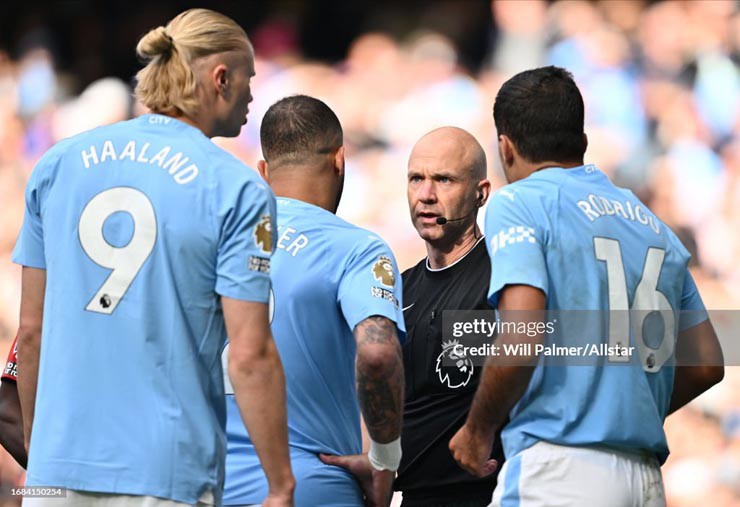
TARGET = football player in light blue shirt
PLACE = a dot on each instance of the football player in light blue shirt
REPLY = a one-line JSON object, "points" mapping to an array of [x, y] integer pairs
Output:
{"points": [[562, 237], [330, 280], [142, 244]]}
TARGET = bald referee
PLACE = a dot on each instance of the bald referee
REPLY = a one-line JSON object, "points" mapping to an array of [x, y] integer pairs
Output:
{"points": [[447, 186]]}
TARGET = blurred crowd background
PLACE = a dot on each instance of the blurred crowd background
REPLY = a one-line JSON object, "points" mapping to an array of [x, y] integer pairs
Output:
{"points": [[661, 83]]}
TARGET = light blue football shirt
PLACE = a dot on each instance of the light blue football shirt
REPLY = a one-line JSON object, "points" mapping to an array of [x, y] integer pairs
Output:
{"points": [[596, 252], [140, 226], [327, 277]]}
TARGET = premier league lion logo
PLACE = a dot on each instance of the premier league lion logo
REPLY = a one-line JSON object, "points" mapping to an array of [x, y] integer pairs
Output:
{"points": [[454, 368], [263, 234], [383, 271]]}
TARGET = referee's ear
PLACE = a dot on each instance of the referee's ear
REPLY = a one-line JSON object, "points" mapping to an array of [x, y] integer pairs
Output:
{"points": [[263, 170], [484, 192]]}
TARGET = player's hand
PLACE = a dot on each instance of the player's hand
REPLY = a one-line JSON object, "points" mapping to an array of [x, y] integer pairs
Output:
{"points": [[472, 451], [279, 500], [376, 485]]}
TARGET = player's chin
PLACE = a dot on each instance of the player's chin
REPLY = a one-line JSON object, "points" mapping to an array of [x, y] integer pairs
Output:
{"points": [[233, 131]]}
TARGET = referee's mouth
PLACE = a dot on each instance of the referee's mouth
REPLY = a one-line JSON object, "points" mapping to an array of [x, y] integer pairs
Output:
{"points": [[428, 217]]}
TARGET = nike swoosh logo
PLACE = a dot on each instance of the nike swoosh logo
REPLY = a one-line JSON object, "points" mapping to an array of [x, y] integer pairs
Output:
{"points": [[409, 306]]}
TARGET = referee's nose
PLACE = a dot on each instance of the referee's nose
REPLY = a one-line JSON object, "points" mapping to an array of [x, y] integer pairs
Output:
{"points": [[427, 193]]}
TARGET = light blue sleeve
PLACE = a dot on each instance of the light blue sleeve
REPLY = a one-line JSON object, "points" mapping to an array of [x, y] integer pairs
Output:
{"points": [[246, 244], [692, 307], [515, 243], [371, 285], [29, 248]]}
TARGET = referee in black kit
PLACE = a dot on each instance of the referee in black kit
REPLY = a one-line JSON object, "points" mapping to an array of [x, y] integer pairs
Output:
{"points": [[446, 186]]}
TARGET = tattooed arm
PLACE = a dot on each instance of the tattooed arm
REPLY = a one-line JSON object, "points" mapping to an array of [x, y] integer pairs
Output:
{"points": [[379, 371], [379, 378]]}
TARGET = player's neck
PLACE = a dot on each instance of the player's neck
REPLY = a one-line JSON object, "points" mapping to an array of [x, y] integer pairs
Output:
{"points": [[442, 255], [204, 126], [526, 169], [312, 184], [308, 191]]}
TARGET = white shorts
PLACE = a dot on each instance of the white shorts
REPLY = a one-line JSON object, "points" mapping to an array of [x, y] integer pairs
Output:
{"points": [[90, 499], [554, 475]]}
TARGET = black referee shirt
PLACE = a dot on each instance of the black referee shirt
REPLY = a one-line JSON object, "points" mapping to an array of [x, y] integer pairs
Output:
{"points": [[438, 399]]}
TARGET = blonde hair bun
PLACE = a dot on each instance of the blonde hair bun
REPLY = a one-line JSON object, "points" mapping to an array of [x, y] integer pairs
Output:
{"points": [[157, 42], [167, 84]]}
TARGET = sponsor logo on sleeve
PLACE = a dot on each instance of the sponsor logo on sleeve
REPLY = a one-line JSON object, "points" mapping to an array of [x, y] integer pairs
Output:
{"points": [[383, 271], [379, 292], [263, 234], [259, 264]]}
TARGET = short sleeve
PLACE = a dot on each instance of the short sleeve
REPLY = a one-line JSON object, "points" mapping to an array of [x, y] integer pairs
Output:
{"points": [[371, 285], [246, 244], [693, 311], [10, 372], [515, 243], [29, 248]]}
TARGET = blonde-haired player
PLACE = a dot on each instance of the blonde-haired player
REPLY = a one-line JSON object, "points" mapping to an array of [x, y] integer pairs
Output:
{"points": [[139, 253]]}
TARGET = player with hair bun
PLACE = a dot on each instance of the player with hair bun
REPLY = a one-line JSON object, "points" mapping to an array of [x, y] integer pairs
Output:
{"points": [[139, 254]]}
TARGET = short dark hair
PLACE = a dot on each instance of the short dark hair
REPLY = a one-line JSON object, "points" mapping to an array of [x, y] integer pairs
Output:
{"points": [[541, 111], [299, 126]]}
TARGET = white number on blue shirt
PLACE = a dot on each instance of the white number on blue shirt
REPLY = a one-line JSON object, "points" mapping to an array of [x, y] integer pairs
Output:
{"points": [[647, 299], [125, 261]]}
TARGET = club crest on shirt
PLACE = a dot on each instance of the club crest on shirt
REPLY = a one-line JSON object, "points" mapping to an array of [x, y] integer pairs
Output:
{"points": [[383, 271], [457, 369], [263, 234]]}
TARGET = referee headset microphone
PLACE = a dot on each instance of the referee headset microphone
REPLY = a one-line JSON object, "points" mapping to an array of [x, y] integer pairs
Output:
{"points": [[478, 199]]}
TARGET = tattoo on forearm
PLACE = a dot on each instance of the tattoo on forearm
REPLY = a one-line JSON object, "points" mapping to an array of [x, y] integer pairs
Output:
{"points": [[376, 329], [380, 389], [380, 399]]}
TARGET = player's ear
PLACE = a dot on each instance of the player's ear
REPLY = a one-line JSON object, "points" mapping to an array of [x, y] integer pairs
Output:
{"points": [[263, 170], [220, 78], [508, 150], [339, 161], [585, 143]]}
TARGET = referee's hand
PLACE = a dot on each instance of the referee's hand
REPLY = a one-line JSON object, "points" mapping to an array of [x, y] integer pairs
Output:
{"points": [[377, 485], [472, 452]]}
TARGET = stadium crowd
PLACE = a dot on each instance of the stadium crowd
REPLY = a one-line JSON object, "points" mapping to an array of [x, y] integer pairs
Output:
{"points": [[661, 83]]}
